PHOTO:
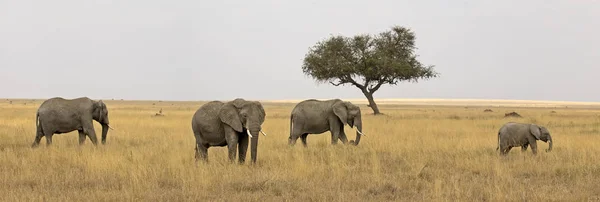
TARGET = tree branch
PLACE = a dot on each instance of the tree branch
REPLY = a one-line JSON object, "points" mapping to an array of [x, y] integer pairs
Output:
{"points": [[337, 84], [376, 87], [367, 81], [345, 80], [353, 82]]}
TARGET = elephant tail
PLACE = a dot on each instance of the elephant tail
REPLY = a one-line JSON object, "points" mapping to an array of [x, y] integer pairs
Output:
{"points": [[291, 124], [37, 120], [498, 147], [38, 125]]}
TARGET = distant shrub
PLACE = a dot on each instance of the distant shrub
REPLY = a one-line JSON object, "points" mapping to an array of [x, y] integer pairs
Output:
{"points": [[455, 117], [512, 114]]}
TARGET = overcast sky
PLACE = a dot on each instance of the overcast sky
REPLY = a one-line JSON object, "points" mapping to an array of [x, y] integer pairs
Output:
{"points": [[207, 50]]}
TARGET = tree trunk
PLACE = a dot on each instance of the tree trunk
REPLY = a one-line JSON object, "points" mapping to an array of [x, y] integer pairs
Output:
{"points": [[372, 103]]}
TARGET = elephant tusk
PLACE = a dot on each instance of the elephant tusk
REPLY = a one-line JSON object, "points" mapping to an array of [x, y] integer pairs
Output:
{"points": [[111, 128], [358, 131], [249, 134], [263, 133]]}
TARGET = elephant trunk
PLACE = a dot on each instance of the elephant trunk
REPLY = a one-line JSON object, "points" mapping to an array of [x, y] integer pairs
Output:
{"points": [[253, 147], [358, 123], [104, 132], [549, 143], [254, 128]]}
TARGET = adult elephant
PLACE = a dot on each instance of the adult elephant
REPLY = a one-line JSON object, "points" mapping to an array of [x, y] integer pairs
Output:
{"points": [[514, 134], [58, 115], [315, 117], [231, 124]]}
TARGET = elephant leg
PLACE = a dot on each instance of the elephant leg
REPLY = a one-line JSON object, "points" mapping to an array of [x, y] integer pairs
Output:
{"points": [[295, 133], [534, 147], [231, 137], [342, 136], [232, 147], [243, 148], [49, 138], [293, 139], [38, 137], [524, 147], [504, 150], [201, 152], [81, 137], [335, 127], [93, 138], [201, 148], [91, 134], [335, 134], [303, 138], [48, 133], [334, 137]]}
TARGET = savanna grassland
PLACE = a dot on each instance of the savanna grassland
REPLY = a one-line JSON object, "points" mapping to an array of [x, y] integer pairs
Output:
{"points": [[411, 153]]}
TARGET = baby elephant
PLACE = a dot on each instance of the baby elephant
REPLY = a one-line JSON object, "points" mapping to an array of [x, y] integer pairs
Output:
{"points": [[522, 135]]}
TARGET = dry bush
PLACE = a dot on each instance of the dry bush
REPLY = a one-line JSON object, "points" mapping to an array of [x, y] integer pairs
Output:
{"points": [[408, 155], [512, 114]]}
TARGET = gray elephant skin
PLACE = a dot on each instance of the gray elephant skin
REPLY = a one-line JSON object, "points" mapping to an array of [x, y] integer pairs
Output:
{"points": [[58, 115], [514, 134], [231, 124], [314, 117]]}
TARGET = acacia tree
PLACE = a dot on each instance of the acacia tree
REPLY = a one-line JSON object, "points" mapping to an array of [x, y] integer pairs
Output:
{"points": [[367, 62]]}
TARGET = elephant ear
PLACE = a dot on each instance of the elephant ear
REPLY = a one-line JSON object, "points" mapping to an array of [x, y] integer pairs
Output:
{"points": [[104, 112], [341, 111], [97, 109], [104, 109], [262, 111], [353, 113], [238, 103], [229, 115], [544, 129], [535, 131], [102, 106]]}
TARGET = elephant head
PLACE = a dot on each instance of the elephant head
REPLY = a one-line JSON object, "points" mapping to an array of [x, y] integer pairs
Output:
{"points": [[541, 133], [349, 114], [244, 116], [100, 114]]}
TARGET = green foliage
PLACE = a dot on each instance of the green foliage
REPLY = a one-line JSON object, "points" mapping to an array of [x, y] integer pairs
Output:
{"points": [[366, 61]]}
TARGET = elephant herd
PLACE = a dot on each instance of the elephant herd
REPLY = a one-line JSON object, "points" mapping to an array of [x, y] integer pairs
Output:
{"points": [[234, 124], [237, 123]]}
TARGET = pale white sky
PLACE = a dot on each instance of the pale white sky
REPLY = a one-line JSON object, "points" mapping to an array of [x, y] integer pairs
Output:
{"points": [[188, 50]]}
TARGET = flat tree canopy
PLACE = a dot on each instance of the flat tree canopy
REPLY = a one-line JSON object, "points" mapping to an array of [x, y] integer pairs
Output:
{"points": [[367, 62]]}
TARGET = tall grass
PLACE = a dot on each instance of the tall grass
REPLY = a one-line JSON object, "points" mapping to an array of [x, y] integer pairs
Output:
{"points": [[410, 153]]}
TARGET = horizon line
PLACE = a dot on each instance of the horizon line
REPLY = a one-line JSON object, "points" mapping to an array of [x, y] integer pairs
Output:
{"points": [[377, 100]]}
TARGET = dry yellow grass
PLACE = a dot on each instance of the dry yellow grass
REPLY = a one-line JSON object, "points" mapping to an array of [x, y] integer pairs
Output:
{"points": [[429, 153]]}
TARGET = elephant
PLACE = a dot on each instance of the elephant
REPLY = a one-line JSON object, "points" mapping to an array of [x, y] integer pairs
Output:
{"points": [[231, 124], [58, 115], [314, 117], [513, 134]]}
